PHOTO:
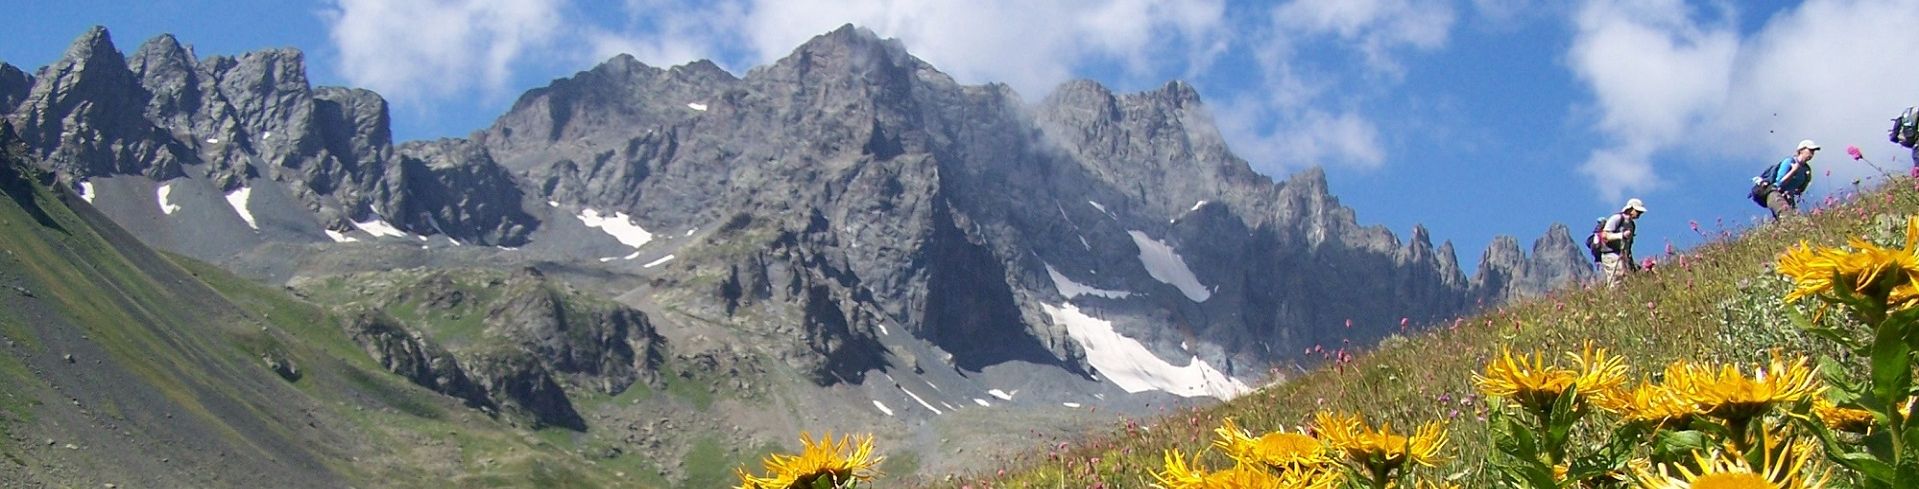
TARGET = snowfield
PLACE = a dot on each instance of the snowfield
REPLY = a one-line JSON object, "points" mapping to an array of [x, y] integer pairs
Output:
{"points": [[166, 206], [1166, 266], [1067, 287], [1132, 367], [379, 228], [619, 225], [238, 199]]}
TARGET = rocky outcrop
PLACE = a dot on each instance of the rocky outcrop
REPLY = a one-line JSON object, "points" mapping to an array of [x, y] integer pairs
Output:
{"points": [[602, 346], [1507, 273], [522, 383], [414, 357], [492, 378], [14, 85], [255, 120]]}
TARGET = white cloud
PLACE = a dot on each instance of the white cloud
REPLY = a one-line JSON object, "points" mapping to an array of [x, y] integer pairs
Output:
{"points": [[413, 50], [666, 32], [1031, 45], [1308, 111], [1668, 77], [1377, 28]]}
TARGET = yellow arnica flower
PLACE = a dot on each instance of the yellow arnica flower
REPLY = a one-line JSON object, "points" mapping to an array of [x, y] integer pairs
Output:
{"points": [[1369, 446], [1529, 382], [1180, 475], [1535, 385], [1278, 449], [1870, 270], [1784, 468], [849, 461], [1732, 396], [1841, 418], [1651, 403]]}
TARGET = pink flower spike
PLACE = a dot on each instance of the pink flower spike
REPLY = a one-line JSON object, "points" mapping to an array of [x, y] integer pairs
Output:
{"points": [[1853, 151]]}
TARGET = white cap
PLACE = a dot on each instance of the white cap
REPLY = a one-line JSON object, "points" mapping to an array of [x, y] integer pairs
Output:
{"points": [[1634, 204], [1807, 144]]}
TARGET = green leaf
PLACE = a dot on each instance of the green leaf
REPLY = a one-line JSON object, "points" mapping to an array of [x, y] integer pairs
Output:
{"points": [[1676, 446], [1891, 366], [1566, 411]]}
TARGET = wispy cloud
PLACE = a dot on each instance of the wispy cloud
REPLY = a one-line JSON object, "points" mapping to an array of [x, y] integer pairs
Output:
{"points": [[426, 49], [1667, 77], [1031, 45], [1309, 114]]}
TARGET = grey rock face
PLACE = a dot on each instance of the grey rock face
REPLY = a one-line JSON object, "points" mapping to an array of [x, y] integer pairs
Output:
{"points": [[605, 347], [255, 120], [869, 181], [414, 357], [80, 116], [13, 87]]}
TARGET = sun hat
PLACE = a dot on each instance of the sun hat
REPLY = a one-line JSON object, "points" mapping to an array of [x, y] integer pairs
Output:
{"points": [[1807, 144], [1634, 204]]}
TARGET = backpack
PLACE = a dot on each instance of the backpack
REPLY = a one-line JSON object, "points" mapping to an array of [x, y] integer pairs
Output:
{"points": [[1596, 242], [1762, 185], [1905, 128]]}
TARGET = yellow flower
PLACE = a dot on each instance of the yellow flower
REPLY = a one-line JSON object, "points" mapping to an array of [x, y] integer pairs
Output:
{"points": [[1732, 396], [1598, 374], [1652, 403], [1784, 467], [849, 460], [1528, 382], [1870, 270], [1179, 475], [1843, 419], [1277, 449], [1366, 445], [1535, 385]]}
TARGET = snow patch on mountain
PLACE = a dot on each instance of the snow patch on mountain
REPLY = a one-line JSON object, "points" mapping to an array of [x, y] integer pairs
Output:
{"points": [[1003, 395], [1132, 367], [1067, 287], [1166, 266], [379, 228], [883, 408], [238, 199], [86, 192], [696, 106], [619, 225], [916, 398], [655, 263], [339, 237], [166, 206]]}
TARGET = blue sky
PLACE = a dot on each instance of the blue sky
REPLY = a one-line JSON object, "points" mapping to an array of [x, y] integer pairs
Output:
{"points": [[1474, 117]]}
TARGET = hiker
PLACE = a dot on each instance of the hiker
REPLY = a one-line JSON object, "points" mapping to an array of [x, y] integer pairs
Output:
{"points": [[1616, 237], [1788, 180]]}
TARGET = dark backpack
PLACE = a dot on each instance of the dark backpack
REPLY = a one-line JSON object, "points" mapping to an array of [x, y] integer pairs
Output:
{"points": [[1905, 128], [1762, 184], [1596, 243]]}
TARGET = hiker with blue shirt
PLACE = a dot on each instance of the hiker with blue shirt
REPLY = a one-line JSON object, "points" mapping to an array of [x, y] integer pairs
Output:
{"points": [[1615, 238], [1788, 180]]}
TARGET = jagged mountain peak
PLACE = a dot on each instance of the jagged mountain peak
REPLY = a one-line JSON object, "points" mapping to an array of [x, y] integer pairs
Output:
{"points": [[163, 46], [96, 42], [847, 51], [14, 84]]}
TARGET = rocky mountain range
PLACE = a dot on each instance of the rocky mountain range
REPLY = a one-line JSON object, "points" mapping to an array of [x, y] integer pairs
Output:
{"points": [[848, 211]]}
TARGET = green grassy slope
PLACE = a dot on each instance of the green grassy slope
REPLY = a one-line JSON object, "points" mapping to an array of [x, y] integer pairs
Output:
{"points": [[121, 365], [1717, 303]]}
